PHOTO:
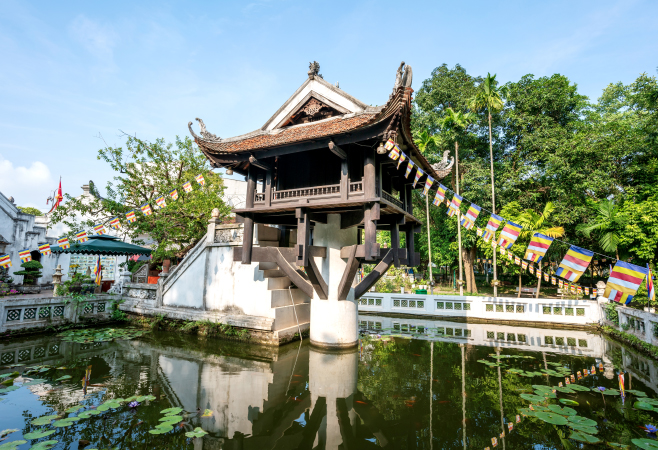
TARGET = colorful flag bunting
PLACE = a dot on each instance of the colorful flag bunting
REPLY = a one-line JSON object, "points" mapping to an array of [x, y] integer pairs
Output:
{"points": [[146, 209], [624, 281], [579, 290], [63, 243], [524, 265], [586, 291], [509, 234], [454, 205], [410, 165], [531, 269], [130, 215], [389, 144], [187, 187], [560, 283], [100, 229], [161, 202], [575, 263], [553, 280], [25, 255], [81, 236], [492, 226], [510, 256], [174, 194], [395, 152], [115, 223], [440, 195], [428, 184], [503, 251], [538, 247], [478, 231], [419, 174], [5, 261], [44, 249], [539, 272], [402, 159], [199, 179], [651, 290], [98, 272], [471, 215], [517, 260], [573, 288]]}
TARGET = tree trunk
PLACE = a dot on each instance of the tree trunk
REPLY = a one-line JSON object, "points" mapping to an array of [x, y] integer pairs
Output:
{"points": [[519, 296], [459, 226], [469, 275], [538, 286], [493, 203]]}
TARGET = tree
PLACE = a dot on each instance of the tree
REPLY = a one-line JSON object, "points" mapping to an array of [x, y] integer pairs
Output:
{"points": [[31, 273], [608, 225], [489, 97], [30, 210], [145, 171]]}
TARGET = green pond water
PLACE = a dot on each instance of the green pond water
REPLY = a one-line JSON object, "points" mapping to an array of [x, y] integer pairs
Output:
{"points": [[444, 386]]}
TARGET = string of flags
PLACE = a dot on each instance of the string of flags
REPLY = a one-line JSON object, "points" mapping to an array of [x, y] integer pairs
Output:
{"points": [[624, 280], [99, 229]]}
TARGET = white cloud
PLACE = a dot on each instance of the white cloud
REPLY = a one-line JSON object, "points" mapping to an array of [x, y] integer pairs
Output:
{"points": [[30, 186]]}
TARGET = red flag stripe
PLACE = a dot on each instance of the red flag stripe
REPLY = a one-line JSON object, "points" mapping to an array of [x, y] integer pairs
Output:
{"points": [[575, 260], [626, 277]]}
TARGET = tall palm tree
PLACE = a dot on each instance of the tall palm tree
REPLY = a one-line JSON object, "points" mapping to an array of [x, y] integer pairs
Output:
{"points": [[455, 122], [534, 222], [608, 225], [490, 98]]}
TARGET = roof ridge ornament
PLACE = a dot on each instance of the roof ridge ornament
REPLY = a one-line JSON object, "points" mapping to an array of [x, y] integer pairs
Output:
{"points": [[443, 167], [403, 77], [204, 132], [314, 70]]}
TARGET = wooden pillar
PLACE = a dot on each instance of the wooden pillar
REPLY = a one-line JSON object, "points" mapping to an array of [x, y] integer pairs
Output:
{"points": [[395, 243], [369, 174], [248, 238], [344, 180], [268, 188], [303, 236], [371, 216], [407, 195], [410, 238]]}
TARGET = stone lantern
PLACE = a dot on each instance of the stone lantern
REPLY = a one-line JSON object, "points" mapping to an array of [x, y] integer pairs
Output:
{"points": [[57, 280]]}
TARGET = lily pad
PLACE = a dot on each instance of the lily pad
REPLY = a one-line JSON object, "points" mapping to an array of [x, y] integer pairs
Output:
{"points": [[65, 377], [643, 406], [88, 414], [35, 381], [611, 392], [45, 420], [584, 437], [541, 387], [577, 387], [162, 430], [566, 401], [583, 428], [566, 390], [9, 389], [198, 432], [551, 418], [38, 434], [532, 397], [63, 423], [73, 409], [646, 444], [44, 445], [584, 421], [565, 411], [11, 445], [171, 419], [171, 411], [144, 398], [636, 393]]}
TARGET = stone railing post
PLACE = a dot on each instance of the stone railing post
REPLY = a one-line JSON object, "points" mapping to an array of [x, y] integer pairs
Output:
{"points": [[212, 225]]}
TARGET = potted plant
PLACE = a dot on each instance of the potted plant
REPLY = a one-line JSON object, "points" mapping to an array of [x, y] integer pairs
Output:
{"points": [[31, 273]]}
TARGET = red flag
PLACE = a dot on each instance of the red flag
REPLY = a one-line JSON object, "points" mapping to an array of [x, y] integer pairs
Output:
{"points": [[57, 197]]}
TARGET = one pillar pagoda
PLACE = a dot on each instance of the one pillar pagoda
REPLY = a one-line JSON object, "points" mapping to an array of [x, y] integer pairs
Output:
{"points": [[325, 176]]}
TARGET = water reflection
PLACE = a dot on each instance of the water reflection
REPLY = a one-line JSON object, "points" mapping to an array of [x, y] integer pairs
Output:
{"points": [[428, 391]]}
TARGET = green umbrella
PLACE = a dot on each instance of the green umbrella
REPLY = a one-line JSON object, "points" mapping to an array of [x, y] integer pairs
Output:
{"points": [[103, 245]]}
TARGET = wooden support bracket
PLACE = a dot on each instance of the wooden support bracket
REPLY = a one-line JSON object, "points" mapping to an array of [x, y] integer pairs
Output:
{"points": [[374, 276], [290, 271], [315, 276], [350, 271], [336, 150]]}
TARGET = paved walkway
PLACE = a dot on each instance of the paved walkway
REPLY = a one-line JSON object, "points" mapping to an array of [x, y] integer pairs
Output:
{"points": [[44, 294]]}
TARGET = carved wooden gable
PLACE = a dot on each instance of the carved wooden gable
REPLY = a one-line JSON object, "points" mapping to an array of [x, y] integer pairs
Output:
{"points": [[312, 111]]}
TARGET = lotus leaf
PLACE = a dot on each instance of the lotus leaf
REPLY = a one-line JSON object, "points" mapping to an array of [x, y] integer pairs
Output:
{"points": [[566, 401], [577, 387], [566, 390], [554, 364], [171, 419], [541, 387], [38, 434], [11, 445], [643, 406], [65, 377], [513, 370], [565, 411], [162, 430], [651, 401], [65, 422], [584, 437], [35, 381], [4, 433], [45, 369], [551, 418], [198, 432], [45, 445], [171, 411], [9, 389], [584, 421], [88, 414], [73, 409], [527, 412], [5, 375], [636, 393], [45, 420], [611, 392], [165, 425], [646, 444], [583, 428], [144, 398], [532, 398]]}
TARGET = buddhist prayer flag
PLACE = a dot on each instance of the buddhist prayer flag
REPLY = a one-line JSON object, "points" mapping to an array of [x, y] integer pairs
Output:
{"points": [[25, 255], [553, 280], [146, 209], [199, 179], [575, 263], [471, 215], [517, 260], [130, 215], [579, 290], [81, 236], [621, 387], [509, 234], [419, 174], [389, 144], [160, 201], [440, 195], [624, 281], [44, 249], [560, 283], [63, 243], [428, 184], [503, 251], [100, 229], [546, 276], [454, 205], [651, 290], [524, 265], [478, 231], [573, 288], [174, 194], [510, 256], [5, 261], [402, 159], [114, 223], [492, 226], [410, 165], [586, 291], [532, 269], [395, 152], [538, 246], [187, 187], [98, 272]]}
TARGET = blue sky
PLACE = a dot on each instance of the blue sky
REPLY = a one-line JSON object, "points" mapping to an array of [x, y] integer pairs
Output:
{"points": [[71, 70]]}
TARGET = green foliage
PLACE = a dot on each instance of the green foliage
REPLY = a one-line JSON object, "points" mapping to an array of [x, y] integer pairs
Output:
{"points": [[31, 273], [143, 172], [30, 210], [632, 340], [611, 313]]}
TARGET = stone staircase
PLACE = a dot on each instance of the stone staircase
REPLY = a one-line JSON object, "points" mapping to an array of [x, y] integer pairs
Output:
{"points": [[284, 293]]}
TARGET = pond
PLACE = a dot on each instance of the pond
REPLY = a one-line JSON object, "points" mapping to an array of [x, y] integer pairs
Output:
{"points": [[411, 384]]}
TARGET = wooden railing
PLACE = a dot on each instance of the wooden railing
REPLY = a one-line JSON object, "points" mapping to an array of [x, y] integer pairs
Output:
{"points": [[356, 187], [389, 198], [306, 192]]}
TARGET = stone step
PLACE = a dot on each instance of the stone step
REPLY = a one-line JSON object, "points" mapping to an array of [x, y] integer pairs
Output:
{"points": [[284, 316], [276, 273], [267, 266], [278, 283], [281, 297]]}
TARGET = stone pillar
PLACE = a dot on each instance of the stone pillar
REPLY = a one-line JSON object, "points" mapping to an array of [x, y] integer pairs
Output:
{"points": [[333, 322], [333, 376], [57, 280]]}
